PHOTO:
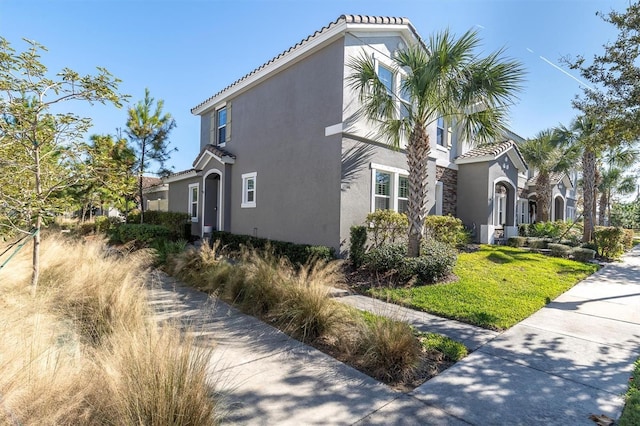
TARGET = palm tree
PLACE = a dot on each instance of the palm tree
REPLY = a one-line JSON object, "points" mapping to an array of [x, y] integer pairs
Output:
{"points": [[445, 79], [613, 178], [546, 155]]}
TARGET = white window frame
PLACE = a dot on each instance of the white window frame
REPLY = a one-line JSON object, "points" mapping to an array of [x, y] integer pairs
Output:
{"points": [[193, 202], [522, 211], [571, 214], [394, 191], [500, 209], [246, 178], [219, 127]]}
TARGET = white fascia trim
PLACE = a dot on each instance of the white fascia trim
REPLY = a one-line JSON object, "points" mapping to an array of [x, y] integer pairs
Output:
{"points": [[375, 166], [327, 37], [184, 176], [515, 159]]}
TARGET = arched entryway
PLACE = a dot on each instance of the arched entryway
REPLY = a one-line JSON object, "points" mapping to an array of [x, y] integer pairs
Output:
{"points": [[212, 196], [503, 204], [558, 208]]}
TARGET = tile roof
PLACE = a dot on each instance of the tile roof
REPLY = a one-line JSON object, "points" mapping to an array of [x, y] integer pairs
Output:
{"points": [[182, 172], [347, 19], [149, 181], [488, 150], [215, 150], [554, 179]]}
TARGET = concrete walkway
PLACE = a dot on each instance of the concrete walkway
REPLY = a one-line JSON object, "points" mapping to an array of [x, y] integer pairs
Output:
{"points": [[571, 359]]}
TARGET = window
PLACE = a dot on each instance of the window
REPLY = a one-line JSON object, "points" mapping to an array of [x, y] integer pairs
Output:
{"points": [[386, 77], [441, 133], [390, 188], [571, 213], [523, 211], [221, 125], [193, 201], [499, 209], [382, 191], [405, 100], [249, 190], [403, 194]]}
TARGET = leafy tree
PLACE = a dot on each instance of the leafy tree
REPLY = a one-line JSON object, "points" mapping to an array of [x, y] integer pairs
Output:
{"points": [[39, 148], [149, 133], [445, 79], [548, 155]]}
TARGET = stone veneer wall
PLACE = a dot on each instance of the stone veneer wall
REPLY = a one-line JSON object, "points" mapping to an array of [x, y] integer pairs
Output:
{"points": [[449, 179]]}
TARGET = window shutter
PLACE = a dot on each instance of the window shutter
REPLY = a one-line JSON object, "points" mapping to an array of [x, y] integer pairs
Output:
{"points": [[229, 122], [213, 129]]}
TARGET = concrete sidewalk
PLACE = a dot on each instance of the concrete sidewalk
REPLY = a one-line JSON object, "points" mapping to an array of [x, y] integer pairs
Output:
{"points": [[571, 359]]}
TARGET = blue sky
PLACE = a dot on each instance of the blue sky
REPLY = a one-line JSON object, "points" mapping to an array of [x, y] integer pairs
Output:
{"points": [[185, 51]]}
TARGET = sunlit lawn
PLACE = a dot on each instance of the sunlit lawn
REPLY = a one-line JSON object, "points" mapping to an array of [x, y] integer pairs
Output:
{"points": [[498, 286]]}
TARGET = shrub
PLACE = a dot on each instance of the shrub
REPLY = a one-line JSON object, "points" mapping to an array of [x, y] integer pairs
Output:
{"points": [[143, 234], [386, 257], [296, 253], [582, 254], [387, 227], [166, 248], [609, 241], [627, 238], [358, 241], [517, 241], [559, 250], [174, 221], [545, 229], [523, 230], [389, 348], [446, 229], [537, 243], [436, 261]]}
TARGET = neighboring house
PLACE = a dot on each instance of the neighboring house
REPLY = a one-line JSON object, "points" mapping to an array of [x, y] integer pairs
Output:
{"points": [[155, 194], [283, 154]]}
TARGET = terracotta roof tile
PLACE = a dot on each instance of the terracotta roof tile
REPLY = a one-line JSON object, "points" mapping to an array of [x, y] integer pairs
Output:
{"points": [[355, 19], [489, 149]]}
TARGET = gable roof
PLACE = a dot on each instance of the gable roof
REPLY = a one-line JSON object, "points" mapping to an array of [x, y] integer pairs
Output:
{"points": [[218, 153], [491, 151], [554, 179], [323, 36]]}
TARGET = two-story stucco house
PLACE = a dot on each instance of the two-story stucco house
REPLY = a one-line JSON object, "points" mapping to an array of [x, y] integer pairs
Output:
{"points": [[283, 155]]}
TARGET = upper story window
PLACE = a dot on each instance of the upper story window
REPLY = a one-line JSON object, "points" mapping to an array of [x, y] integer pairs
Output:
{"points": [[221, 126], [249, 190], [386, 77], [193, 201], [441, 132], [405, 100]]}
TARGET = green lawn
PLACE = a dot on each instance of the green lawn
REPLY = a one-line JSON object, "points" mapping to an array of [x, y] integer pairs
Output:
{"points": [[631, 414], [498, 286]]}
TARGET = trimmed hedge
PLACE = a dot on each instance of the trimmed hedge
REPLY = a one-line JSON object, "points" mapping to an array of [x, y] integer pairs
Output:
{"points": [[143, 234], [559, 250], [517, 241], [296, 253], [537, 243], [609, 240], [446, 229], [387, 227], [178, 224], [358, 243], [582, 254]]}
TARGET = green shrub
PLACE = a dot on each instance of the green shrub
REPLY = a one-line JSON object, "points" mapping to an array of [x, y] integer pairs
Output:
{"points": [[386, 257], [517, 241], [387, 227], [559, 250], [87, 228], [446, 229], [582, 254], [627, 238], [174, 221], [609, 241], [523, 230], [102, 223], [166, 248], [545, 229], [143, 234], [358, 241], [296, 253], [537, 243]]}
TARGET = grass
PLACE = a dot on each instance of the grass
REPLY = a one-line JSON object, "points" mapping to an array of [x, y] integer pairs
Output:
{"points": [[631, 413], [297, 301], [497, 287], [86, 350]]}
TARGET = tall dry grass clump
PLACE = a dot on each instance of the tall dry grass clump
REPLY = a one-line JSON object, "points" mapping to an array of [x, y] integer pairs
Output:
{"points": [[60, 349]]}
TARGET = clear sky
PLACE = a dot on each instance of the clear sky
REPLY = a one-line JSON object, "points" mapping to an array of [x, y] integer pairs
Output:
{"points": [[185, 51]]}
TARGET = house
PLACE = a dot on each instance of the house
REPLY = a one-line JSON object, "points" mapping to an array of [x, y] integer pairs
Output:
{"points": [[283, 154], [155, 194]]}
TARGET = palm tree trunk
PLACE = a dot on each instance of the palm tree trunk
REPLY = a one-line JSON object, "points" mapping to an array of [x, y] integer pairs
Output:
{"points": [[602, 208], [417, 156], [588, 192], [543, 190]]}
